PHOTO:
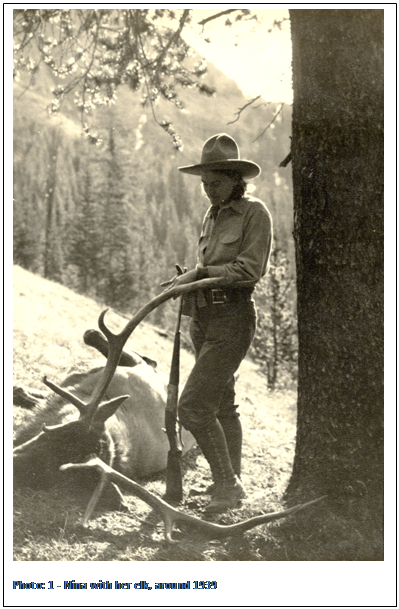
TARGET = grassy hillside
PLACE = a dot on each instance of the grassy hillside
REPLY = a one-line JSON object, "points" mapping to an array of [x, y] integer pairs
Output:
{"points": [[49, 321]]}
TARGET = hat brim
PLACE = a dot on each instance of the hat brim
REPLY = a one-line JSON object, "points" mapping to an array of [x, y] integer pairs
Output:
{"points": [[247, 169]]}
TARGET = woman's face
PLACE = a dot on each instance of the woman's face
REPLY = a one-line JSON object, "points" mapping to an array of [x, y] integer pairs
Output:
{"points": [[217, 186]]}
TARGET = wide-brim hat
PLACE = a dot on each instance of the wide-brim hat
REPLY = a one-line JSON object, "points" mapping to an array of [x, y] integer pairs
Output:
{"points": [[221, 152]]}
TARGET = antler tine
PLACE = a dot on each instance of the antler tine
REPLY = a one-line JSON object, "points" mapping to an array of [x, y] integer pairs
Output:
{"points": [[116, 342], [67, 395], [169, 514]]}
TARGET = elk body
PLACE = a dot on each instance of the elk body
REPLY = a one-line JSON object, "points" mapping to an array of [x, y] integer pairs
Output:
{"points": [[131, 440], [125, 439]]}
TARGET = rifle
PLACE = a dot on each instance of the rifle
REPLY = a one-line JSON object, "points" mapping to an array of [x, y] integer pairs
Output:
{"points": [[174, 488]]}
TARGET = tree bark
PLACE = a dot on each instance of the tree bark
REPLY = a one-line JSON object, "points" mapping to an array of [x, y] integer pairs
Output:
{"points": [[337, 157]]}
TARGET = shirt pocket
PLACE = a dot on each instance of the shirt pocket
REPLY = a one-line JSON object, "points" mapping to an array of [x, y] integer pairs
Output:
{"points": [[231, 238], [230, 244]]}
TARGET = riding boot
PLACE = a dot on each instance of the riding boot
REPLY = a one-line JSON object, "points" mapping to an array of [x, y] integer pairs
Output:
{"points": [[227, 487], [233, 433]]}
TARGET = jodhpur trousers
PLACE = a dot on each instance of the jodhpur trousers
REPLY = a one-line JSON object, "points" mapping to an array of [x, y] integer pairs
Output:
{"points": [[221, 336]]}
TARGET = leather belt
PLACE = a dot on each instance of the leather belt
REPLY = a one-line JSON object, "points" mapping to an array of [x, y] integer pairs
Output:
{"points": [[217, 296]]}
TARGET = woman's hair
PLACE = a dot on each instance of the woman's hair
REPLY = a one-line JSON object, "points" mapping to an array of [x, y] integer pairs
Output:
{"points": [[241, 186]]}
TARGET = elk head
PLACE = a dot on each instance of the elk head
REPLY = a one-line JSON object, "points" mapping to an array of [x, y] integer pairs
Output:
{"points": [[37, 461]]}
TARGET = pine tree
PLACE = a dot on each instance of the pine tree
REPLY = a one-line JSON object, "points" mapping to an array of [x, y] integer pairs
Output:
{"points": [[116, 285], [85, 239], [44, 197]]}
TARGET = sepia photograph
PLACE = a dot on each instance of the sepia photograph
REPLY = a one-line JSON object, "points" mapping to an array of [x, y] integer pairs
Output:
{"points": [[197, 305]]}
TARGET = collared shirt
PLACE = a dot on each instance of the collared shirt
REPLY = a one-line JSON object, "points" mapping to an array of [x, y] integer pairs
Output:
{"points": [[237, 244]]}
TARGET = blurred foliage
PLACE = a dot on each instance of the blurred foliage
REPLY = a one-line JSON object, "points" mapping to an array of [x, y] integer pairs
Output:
{"points": [[95, 51], [275, 346]]}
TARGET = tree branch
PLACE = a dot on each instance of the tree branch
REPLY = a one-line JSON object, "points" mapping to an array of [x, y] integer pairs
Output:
{"points": [[212, 17], [173, 39], [271, 122], [240, 110]]}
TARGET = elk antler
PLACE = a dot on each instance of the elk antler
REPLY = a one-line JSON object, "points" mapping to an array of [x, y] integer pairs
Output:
{"points": [[116, 342], [169, 514]]}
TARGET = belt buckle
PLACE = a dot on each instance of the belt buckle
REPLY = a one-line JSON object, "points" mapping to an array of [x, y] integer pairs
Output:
{"points": [[218, 296]]}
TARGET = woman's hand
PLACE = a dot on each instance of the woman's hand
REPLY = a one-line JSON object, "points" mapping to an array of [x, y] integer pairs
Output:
{"points": [[181, 278]]}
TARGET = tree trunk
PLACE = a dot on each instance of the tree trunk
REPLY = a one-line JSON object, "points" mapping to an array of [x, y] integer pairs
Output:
{"points": [[337, 156]]}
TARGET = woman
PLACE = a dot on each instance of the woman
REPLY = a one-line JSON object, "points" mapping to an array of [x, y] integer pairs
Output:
{"points": [[235, 243]]}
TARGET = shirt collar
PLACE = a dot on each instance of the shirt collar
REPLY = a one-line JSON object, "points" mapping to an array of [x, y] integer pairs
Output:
{"points": [[237, 205]]}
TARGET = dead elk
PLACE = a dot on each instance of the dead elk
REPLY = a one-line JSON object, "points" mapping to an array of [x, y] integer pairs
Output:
{"points": [[129, 437], [105, 429]]}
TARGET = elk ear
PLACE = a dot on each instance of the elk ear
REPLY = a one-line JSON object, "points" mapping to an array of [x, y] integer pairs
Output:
{"points": [[107, 409]]}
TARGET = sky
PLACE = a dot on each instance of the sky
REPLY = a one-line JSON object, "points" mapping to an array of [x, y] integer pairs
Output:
{"points": [[258, 60]]}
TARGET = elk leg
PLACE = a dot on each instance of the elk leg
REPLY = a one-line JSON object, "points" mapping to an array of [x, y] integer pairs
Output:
{"points": [[95, 339], [27, 398]]}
